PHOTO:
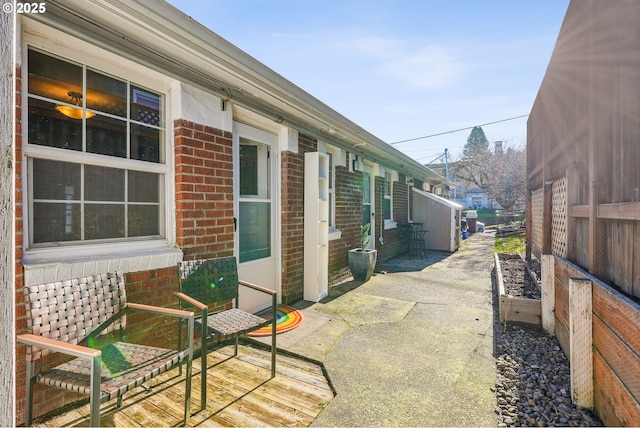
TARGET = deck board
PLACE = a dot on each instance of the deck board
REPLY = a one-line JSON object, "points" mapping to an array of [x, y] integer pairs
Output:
{"points": [[239, 393]]}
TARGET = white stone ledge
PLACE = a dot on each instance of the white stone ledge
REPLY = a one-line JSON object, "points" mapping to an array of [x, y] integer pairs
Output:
{"points": [[43, 271]]}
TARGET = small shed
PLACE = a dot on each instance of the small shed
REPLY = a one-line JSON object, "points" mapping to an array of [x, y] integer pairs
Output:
{"points": [[440, 217]]}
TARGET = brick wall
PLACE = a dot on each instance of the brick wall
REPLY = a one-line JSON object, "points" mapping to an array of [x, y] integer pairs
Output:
{"points": [[21, 323], [392, 245], [204, 190], [401, 200], [348, 194], [293, 219]]}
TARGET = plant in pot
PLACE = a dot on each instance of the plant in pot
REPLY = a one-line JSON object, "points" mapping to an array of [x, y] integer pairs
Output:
{"points": [[362, 260]]}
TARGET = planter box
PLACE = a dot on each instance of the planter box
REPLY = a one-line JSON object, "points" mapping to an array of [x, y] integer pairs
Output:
{"points": [[516, 310]]}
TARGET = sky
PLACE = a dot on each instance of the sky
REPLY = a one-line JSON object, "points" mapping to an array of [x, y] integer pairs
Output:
{"points": [[403, 69]]}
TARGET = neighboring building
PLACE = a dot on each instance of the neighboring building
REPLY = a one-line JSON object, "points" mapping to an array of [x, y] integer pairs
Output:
{"points": [[143, 139], [471, 197], [583, 206]]}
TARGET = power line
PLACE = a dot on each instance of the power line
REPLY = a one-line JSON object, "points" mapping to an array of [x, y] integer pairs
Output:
{"points": [[458, 130]]}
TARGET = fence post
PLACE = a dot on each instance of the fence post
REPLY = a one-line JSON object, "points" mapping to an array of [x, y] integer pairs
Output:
{"points": [[581, 341], [548, 299]]}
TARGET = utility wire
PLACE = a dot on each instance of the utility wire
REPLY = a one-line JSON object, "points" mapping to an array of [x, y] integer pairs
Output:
{"points": [[458, 130]]}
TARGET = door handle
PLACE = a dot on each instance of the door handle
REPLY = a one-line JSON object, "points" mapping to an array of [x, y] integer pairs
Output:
{"points": [[235, 224]]}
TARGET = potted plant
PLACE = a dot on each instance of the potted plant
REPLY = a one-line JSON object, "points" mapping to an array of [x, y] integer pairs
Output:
{"points": [[362, 260]]}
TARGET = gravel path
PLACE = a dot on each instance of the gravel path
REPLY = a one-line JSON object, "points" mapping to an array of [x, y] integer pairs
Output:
{"points": [[533, 382]]}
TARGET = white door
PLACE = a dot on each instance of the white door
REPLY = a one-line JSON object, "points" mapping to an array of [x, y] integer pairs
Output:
{"points": [[257, 213], [368, 202]]}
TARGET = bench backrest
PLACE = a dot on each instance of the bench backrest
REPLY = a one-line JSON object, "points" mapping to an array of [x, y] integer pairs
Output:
{"points": [[69, 310], [209, 280]]}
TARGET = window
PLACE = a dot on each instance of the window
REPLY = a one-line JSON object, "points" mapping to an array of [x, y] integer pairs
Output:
{"points": [[337, 157], [95, 155], [332, 200], [387, 196], [389, 178]]}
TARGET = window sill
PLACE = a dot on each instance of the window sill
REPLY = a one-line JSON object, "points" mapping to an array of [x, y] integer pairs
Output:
{"points": [[56, 264], [390, 224], [334, 234]]}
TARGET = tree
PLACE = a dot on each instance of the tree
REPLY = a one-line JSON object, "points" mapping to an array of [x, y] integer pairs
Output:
{"points": [[475, 164], [500, 173], [508, 176]]}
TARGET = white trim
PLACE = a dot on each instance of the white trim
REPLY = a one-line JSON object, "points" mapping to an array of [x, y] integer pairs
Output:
{"points": [[271, 139], [74, 266], [121, 254]]}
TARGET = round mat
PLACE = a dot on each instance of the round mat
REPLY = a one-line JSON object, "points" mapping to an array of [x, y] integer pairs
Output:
{"points": [[287, 318]]}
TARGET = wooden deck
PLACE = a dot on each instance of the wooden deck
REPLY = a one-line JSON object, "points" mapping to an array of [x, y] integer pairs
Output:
{"points": [[240, 393]]}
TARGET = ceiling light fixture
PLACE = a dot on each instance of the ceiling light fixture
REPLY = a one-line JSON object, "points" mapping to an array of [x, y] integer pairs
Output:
{"points": [[74, 112]]}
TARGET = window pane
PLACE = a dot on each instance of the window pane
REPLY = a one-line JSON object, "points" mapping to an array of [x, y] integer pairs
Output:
{"points": [[144, 220], [103, 221], [106, 94], [146, 106], [56, 222], [56, 180], [49, 127], [366, 188], [248, 170], [255, 230], [103, 184], [52, 77], [107, 136], [143, 187], [387, 209], [145, 143], [366, 215]]}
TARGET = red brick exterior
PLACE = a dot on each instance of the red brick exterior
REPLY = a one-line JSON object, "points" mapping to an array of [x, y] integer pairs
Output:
{"points": [[348, 194], [204, 190], [21, 323], [391, 245], [292, 219]]}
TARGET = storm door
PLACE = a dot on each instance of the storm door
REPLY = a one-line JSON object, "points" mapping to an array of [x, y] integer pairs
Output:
{"points": [[256, 213], [368, 198]]}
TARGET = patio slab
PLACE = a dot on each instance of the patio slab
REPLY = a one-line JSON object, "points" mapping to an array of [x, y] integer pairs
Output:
{"points": [[411, 347]]}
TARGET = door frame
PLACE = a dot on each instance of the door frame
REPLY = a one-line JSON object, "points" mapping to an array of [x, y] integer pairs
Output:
{"points": [[255, 134], [369, 169]]}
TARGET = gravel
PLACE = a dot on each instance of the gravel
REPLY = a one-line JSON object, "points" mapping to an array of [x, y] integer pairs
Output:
{"points": [[533, 382]]}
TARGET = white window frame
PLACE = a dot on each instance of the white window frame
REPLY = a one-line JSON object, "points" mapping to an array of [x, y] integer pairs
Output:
{"points": [[88, 258], [338, 158], [390, 176]]}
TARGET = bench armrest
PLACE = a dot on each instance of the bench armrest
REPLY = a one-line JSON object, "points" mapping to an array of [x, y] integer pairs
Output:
{"points": [[58, 346], [257, 287], [160, 311], [191, 300]]}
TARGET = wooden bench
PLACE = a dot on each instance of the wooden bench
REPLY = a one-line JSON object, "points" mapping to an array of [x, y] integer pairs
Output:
{"points": [[61, 315], [209, 282]]}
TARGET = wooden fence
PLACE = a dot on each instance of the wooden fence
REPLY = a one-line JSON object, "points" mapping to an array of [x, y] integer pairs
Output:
{"points": [[599, 330]]}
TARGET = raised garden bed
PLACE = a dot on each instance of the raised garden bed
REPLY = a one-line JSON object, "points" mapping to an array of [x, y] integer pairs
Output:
{"points": [[518, 290]]}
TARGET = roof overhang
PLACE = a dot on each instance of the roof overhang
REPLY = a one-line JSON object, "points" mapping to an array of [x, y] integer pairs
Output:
{"points": [[161, 37]]}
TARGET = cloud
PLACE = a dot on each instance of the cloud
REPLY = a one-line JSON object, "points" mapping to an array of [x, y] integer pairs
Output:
{"points": [[410, 62]]}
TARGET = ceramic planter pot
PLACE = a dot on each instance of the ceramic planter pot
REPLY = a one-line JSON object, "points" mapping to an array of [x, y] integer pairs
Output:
{"points": [[362, 262]]}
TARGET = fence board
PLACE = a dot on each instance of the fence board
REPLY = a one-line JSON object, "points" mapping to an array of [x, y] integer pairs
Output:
{"points": [[562, 304], [620, 358], [614, 405], [620, 253], [619, 313]]}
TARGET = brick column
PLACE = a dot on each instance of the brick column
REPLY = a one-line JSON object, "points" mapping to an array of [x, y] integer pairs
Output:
{"points": [[204, 190]]}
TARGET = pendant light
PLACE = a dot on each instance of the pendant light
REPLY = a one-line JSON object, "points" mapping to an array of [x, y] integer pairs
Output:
{"points": [[74, 112]]}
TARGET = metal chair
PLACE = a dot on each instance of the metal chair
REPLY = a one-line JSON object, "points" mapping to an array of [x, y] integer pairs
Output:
{"points": [[61, 315], [211, 282]]}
